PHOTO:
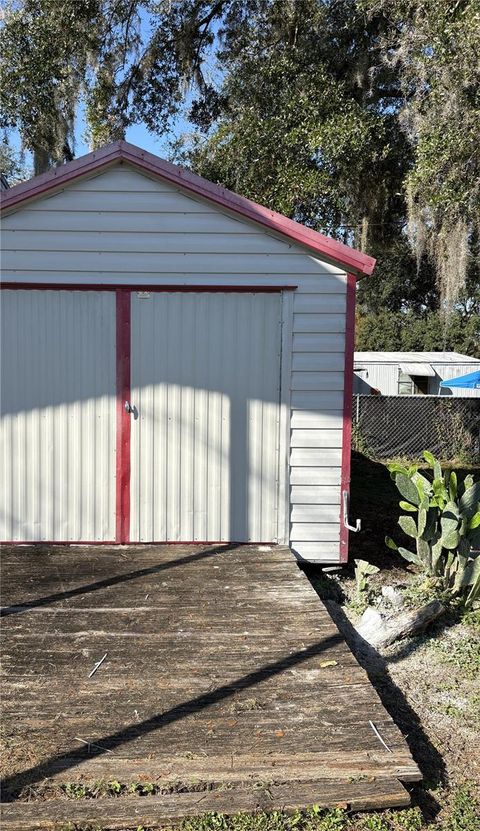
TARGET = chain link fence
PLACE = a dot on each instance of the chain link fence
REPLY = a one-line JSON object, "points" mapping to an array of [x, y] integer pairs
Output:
{"points": [[391, 426]]}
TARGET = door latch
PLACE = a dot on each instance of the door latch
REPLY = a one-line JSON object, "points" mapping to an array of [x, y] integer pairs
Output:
{"points": [[358, 523], [131, 409]]}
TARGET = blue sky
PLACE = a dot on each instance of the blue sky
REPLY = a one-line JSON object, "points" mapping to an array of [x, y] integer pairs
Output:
{"points": [[136, 134]]}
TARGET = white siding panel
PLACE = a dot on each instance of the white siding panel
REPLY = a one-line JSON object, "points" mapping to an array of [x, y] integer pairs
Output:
{"points": [[314, 495], [318, 361], [315, 475], [156, 263], [316, 552], [305, 381], [121, 179], [58, 415], [205, 381], [319, 322], [317, 400], [315, 457], [311, 531], [446, 372], [125, 222], [319, 343], [146, 279], [316, 438], [315, 513], [169, 201], [158, 243], [331, 283], [315, 419], [319, 302], [105, 276]]}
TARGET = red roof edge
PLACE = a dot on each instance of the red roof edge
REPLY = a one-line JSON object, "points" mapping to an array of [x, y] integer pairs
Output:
{"points": [[350, 258]]}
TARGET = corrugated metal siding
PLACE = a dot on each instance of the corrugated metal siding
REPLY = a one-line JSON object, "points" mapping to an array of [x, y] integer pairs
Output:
{"points": [[206, 383], [383, 377], [58, 415], [162, 236], [448, 371]]}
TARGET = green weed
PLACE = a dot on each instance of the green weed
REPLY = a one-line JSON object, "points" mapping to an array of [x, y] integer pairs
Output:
{"points": [[472, 619], [462, 653], [465, 813]]}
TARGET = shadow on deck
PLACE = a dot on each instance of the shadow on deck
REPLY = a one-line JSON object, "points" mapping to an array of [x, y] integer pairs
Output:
{"points": [[226, 684]]}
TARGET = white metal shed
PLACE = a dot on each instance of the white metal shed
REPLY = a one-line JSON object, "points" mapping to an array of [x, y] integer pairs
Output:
{"points": [[176, 363], [411, 373]]}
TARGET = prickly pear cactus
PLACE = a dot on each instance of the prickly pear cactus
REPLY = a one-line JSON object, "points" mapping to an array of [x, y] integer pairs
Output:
{"points": [[446, 528]]}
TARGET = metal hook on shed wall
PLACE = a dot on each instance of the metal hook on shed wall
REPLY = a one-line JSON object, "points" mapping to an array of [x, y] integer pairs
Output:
{"points": [[358, 522]]}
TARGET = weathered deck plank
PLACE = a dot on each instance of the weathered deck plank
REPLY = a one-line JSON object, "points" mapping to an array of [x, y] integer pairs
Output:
{"points": [[223, 665], [163, 810]]}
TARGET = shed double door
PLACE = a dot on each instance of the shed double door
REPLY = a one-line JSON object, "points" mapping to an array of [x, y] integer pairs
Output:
{"points": [[195, 458]]}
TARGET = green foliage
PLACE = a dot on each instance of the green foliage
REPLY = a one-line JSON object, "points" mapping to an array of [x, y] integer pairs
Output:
{"points": [[296, 107], [113, 788], [42, 68], [12, 164], [74, 790], [359, 442], [408, 331], [95, 53], [462, 653], [313, 819], [435, 45], [362, 572], [447, 528], [465, 811]]}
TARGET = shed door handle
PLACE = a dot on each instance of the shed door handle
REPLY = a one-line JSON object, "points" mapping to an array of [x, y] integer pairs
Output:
{"points": [[358, 522]]}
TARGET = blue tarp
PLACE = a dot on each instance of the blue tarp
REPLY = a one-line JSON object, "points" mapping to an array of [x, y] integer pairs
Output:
{"points": [[470, 381]]}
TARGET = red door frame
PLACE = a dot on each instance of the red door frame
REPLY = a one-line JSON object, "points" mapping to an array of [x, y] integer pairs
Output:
{"points": [[123, 384]]}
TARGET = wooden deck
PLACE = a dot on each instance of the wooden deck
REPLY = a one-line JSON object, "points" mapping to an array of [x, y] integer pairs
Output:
{"points": [[226, 683]]}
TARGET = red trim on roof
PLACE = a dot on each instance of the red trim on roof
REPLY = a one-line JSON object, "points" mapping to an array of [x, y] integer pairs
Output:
{"points": [[123, 151]]}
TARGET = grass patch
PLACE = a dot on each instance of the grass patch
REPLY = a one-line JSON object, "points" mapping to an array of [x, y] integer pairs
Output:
{"points": [[462, 653], [464, 813], [472, 620]]}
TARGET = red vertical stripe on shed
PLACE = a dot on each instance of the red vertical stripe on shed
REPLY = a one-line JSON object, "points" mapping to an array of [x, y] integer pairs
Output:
{"points": [[122, 525], [347, 407]]}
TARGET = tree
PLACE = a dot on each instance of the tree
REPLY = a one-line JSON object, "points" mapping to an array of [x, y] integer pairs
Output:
{"points": [[359, 118], [295, 108], [12, 164], [435, 46], [44, 45], [406, 331], [125, 61]]}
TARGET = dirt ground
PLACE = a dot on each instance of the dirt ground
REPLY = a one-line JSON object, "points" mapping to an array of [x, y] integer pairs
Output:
{"points": [[430, 683]]}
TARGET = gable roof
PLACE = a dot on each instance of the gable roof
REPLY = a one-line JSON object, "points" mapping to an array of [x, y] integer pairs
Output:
{"points": [[351, 259]]}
